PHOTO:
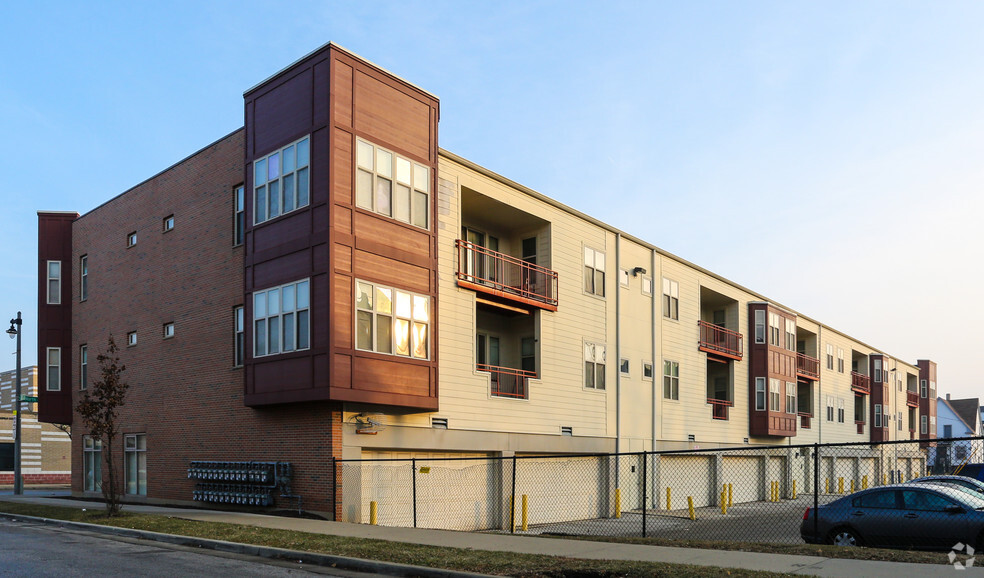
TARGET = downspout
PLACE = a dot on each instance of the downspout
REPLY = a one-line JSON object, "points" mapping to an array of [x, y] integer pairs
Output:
{"points": [[618, 350], [652, 299]]}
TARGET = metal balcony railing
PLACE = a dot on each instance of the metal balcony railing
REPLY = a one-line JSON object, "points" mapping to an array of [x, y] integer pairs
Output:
{"points": [[502, 275], [860, 425], [508, 382], [719, 407], [720, 341], [805, 419], [912, 398], [807, 366], [860, 383]]}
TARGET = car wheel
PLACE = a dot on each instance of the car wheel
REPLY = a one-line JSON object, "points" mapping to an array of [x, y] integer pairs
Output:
{"points": [[844, 537]]}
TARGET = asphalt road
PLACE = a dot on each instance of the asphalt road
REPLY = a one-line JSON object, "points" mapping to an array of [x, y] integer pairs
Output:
{"points": [[38, 550]]}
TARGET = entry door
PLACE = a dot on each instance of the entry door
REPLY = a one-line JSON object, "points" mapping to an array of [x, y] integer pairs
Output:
{"points": [[479, 265]]}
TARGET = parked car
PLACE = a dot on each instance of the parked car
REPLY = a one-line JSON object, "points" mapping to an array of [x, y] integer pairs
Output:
{"points": [[975, 471], [976, 486], [917, 516]]}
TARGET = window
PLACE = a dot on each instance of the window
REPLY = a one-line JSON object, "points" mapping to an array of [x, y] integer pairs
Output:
{"points": [[840, 410], [948, 431], [932, 422], [623, 366], [54, 369], [790, 335], [239, 220], [760, 326], [83, 277], [623, 277], [830, 408], [774, 329], [281, 319], [135, 454], [240, 330], [391, 321], [168, 223], [925, 501], [131, 238], [760, 393], [932, 389], [899, 422], [647, 370], [859, 413], [280, 181], [594, 366], [830, 357], [671, 380], [83, 366], [840, 360], [647, 285], [594, 272], [168, 330], [880, 500], [92, 463], [391, 185], [671, 299], [922, 388], [790, 397], [131, 339], [54, 282], [878, 371], [774, 395], [878, 415], [527, 354]]}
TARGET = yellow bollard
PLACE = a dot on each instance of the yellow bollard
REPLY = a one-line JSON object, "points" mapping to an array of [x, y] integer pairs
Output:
{"points": [[901, 478], [884, 479], [526, 525], [826, 485], [864, 482], [840, 485], [724, 502], [852, 486], [794, 489], [373, 512], [618, 503], [668, 498], [729, 496], [690, 507]]}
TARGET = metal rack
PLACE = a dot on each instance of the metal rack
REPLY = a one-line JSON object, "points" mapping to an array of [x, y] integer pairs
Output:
{"points": [[240, 483]]}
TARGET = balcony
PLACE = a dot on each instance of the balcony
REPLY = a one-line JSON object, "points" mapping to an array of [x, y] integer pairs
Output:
{"points": [[718, 341], [505, 277], [860, 383], [807, 367], [508, 382], [719, 408], [912, 398], [805, 419], [860, 426]]}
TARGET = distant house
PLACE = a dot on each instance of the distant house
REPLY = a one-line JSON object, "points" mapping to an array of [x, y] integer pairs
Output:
{"points": [[957, 418], [46, 450]]}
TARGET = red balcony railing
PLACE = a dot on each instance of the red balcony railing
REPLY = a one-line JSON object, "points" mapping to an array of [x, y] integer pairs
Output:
{"points": [[508, 382], [505, 276], [719, 407], [719, 341], [807, 367], [805, 419], [860, 425], [860, 383], [912, 398]]}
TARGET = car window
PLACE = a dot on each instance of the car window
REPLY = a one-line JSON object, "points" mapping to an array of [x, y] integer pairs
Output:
{"points": [[925, 501], [883, 500]]}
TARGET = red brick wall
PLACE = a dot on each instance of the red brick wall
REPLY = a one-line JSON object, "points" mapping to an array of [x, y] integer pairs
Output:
{"points": [[8, 478], [185, 394]]}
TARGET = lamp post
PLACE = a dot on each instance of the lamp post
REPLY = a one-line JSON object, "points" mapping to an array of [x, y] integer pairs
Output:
{"points": [[15, 331]]}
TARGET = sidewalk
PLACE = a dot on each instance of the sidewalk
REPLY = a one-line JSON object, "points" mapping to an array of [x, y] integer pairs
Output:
{"points": [[805, 565]]}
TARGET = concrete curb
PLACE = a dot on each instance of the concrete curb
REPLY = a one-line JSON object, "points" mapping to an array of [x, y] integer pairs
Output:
{"points": [[342, 562]]}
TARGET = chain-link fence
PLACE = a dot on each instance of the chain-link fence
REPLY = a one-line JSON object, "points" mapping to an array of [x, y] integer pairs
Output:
{"points": [[747, 494]]}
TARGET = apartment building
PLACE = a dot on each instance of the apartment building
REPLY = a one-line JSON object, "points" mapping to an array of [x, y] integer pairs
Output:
{"points": [[327, 283], [45, 448]]}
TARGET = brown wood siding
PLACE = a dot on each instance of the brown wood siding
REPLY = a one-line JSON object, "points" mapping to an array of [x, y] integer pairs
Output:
{"points": [[55, 321], [394, 117], [770, 362]]}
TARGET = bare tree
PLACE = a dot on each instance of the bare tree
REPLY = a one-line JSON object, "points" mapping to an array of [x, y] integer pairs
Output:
{"points": [[98, 410]]}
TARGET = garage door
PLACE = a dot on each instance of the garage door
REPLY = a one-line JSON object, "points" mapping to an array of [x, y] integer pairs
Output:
{"points": [[745, 476], [686, 476]]}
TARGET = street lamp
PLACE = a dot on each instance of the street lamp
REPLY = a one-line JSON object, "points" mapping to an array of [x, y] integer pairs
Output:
{"points": [[15, 332]]}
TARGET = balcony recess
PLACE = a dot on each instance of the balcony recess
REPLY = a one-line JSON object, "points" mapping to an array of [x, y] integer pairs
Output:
{"points": [[719, 341], [505, 277], [508, 382]]}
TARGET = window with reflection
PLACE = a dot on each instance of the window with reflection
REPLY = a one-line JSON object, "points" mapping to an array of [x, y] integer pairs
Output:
{"points": [[392, 321], [281, 319], [280, 181], [391, 185]]}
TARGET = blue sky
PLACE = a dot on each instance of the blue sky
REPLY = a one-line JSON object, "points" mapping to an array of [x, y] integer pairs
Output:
{"points": [[825, 154]]}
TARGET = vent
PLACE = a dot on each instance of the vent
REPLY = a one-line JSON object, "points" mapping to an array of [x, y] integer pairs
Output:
{"points": [[746, 440], [691, 438], [566, 430], [439, 422]]}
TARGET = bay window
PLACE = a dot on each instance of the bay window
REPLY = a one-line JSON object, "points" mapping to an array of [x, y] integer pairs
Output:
{"points": [[392, 321], [281, 319]]}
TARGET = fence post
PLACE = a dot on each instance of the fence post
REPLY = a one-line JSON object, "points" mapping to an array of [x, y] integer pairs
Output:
{"points": [[334, 488], [512, 499], [413, 464], [645, 484], [816, 487]]}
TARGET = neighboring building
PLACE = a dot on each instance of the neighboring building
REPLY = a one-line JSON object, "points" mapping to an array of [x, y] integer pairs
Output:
{"points": [[284, 291], [45, 448], [957, 418]]}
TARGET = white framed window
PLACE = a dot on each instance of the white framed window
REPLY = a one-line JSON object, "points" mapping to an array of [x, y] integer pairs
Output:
{"points": [[239, 216], [774, 323], [281, 319], [922, 388], [647, 285], [922, 424], [239, 346], [168, 330], [131, 238], [830, 408], [54, 282], [671, 380], [391, 185], [595, 356], [932, 390], [53, 380], [878, 415], [83, 366], [760, 325], [594, 272], [92, 463], [877, 378], [623, 277], [774, 395], [840, 410], [623, 366], [83, 277], [790, 335], [391, 321], [168, 223], [671, 299], [131, 339], [280, 181], [647, 370], [135, 464], [760, 394], [830, 357], [790, 397], [899, 421]]}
